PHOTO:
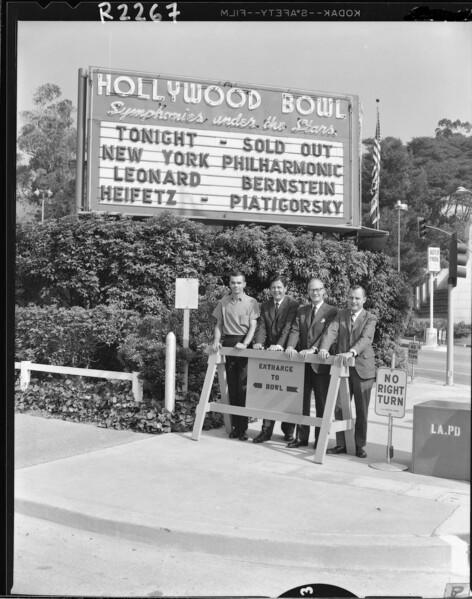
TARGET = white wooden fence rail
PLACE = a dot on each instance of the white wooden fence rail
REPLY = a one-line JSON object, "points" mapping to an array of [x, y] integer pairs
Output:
{"points": [[26, 367]]}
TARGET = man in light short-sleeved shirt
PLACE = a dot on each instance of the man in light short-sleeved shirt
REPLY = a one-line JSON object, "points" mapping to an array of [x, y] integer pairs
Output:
{"points": [[236, 317]]}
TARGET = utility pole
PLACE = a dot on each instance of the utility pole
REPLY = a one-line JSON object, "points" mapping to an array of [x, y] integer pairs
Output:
{"points": [[399, 207], [434, 266], [458, 258], [450, 336]]}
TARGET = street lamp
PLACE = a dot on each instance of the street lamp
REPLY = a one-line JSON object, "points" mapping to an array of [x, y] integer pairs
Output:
{"points": [[43, 193], [399, 207]]}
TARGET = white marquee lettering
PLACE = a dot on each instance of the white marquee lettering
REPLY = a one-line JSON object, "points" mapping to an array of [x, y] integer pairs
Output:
{"points": [[128, 81], [214, 89]]}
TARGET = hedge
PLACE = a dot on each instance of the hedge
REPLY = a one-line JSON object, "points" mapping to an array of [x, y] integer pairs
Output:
{"points": [[99, 260], [73, 336], [106, 338]]}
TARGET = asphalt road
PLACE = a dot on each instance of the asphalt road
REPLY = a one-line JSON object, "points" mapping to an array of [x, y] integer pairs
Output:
{"points": [[432, 364]]}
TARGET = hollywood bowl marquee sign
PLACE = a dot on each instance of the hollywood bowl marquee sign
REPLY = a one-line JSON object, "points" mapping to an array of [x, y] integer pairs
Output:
{"points": [[221, 151]]}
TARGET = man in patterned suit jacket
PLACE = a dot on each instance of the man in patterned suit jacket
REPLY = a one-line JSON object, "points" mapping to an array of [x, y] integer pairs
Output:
{"points": [[277, 316], [353, 330], [311, 322]]}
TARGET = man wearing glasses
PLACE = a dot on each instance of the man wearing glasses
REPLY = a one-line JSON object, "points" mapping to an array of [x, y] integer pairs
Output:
{"points": [[353, 332], [307, 330]]}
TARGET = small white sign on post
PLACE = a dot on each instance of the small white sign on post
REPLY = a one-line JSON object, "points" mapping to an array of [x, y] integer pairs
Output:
{"points": [[390, 392], [434, 259], [186, 294], [186, 299], [413, 349], [390, 400]]}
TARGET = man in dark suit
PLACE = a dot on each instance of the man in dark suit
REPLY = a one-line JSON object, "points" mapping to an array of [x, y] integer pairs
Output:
{"points": [[353, 331], [311, 322], [277, 316]]}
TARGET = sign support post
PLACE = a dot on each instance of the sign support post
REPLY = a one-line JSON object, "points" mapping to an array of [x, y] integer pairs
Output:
{"points": [[450, 336], [390, 398], [185, 345], [434, 266]]}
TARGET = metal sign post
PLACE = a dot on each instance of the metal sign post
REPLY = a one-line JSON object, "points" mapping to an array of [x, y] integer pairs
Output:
{"points": [[390, 400], [186, 298], [434, 266], [413, 349]]}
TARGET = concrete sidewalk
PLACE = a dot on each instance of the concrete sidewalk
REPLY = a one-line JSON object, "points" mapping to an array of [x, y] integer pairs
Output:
{"points": [[264, 502]]}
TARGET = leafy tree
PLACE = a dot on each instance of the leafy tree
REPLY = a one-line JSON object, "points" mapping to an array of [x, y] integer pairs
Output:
{"points": [[421, 174], [48, 140], [446, 128]]}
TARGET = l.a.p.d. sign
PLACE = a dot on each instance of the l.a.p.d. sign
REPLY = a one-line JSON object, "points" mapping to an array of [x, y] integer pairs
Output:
{"points": [[390, 393]]}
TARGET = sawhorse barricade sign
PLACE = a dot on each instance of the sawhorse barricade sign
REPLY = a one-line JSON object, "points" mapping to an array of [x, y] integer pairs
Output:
{"points": [[275, 391]]}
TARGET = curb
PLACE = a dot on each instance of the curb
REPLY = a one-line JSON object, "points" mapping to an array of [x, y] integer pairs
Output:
{"points": [[423, 553]]}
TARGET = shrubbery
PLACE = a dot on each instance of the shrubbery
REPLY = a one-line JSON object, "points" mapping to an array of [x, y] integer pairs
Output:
{"points": [[72, 336], [133, 264], [108, 404], [417, 327], [106, 338], [461, 329], [99, 292]]}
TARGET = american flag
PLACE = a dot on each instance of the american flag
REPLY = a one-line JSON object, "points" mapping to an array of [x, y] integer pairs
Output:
{"points": [[374, 189]]}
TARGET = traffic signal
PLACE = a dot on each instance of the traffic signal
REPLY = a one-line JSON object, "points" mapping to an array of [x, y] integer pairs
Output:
{"points": [[421, 222], [458, 256]]}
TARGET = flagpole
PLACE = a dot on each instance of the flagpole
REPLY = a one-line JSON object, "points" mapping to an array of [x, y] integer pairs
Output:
{"points": [[375, 186]]}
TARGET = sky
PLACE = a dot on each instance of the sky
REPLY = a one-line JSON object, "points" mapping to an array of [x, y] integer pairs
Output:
{"points": [[420, 71]]}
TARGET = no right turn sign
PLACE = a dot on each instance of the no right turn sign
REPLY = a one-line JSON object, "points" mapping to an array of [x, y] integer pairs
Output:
{"points": [[390, 392]]}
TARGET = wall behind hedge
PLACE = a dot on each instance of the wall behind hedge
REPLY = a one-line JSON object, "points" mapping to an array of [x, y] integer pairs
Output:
{"points": [[132, 265]]}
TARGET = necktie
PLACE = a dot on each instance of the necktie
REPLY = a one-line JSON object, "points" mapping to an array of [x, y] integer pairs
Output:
{"points": [[313, 314], [353, 319], [276, 307]]}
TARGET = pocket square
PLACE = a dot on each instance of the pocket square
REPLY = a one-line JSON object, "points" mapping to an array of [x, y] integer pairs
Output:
{"points": [[323, 320]]}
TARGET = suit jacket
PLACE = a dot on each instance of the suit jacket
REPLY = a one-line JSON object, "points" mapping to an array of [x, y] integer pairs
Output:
{"points": [[306, 334], [359, 339], [274, 329]]}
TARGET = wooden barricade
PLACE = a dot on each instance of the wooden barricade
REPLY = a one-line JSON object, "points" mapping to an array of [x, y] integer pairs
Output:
{"points": [[338, 388]]}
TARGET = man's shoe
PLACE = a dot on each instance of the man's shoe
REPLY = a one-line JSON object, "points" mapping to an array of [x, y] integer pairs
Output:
{"points": [[261, 437], [296, 443], [234, 434], [336, 449], [243, 437], [289, 438], [360, 453]]}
